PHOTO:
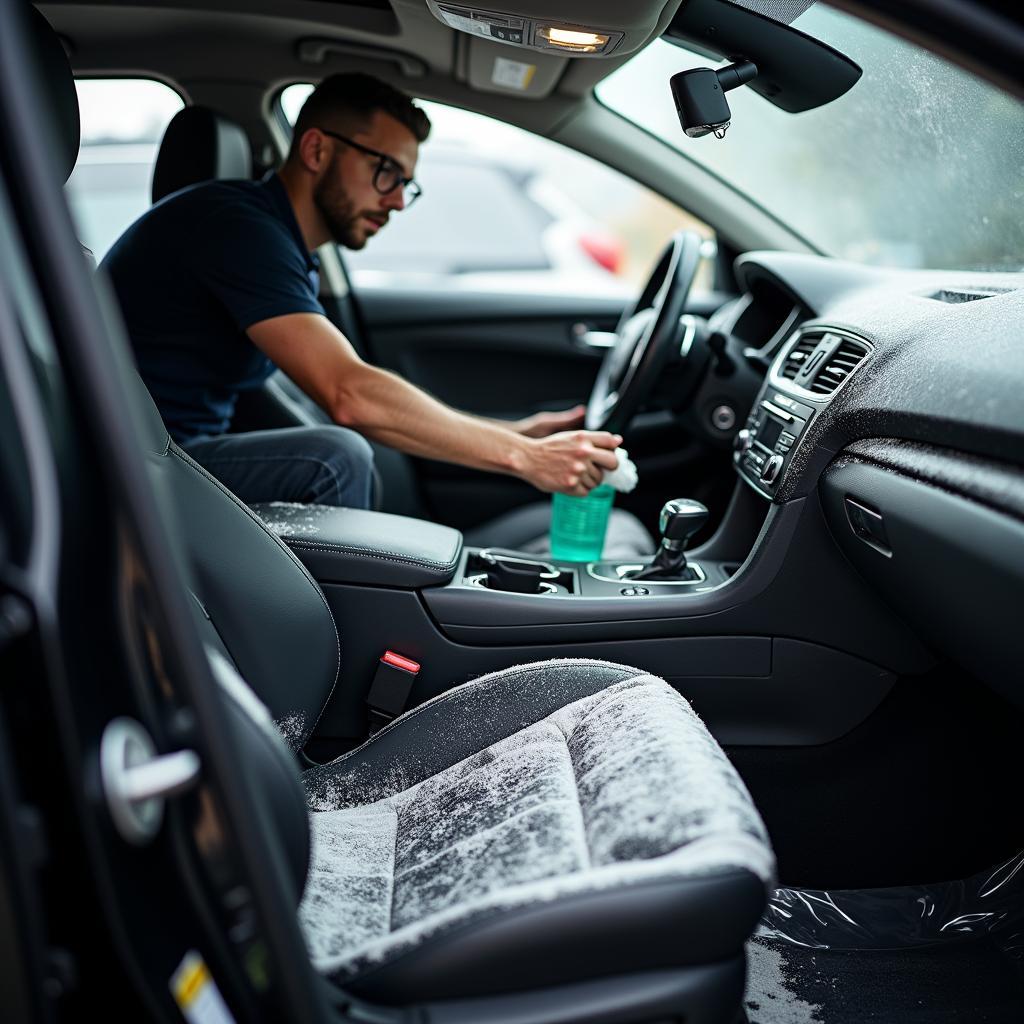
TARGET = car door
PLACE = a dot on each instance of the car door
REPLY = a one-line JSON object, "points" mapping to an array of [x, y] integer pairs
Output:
{"points": [[498, 289]]}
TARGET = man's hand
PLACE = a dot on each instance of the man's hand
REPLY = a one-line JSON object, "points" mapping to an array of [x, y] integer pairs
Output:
{"points": [[542, 424], [572, 462]]}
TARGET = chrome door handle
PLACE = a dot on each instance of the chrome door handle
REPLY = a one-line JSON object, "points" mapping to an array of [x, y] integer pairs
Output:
{"points": [[595, 340], [137, 780]]}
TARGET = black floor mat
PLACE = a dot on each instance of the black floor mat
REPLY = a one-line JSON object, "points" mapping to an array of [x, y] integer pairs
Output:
{"points": [[970, 982]]}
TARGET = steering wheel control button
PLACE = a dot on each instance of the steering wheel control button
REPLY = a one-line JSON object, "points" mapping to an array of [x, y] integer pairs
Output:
{"points": [[771, 470], [634, 591]]}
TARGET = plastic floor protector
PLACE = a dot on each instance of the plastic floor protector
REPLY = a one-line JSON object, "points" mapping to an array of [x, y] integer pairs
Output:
{"points": [[932, 954]]}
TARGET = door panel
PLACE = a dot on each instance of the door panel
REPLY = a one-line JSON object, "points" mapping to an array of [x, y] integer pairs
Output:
{"points": [[492, 354]]}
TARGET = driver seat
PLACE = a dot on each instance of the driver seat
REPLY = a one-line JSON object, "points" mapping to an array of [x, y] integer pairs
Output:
{"points": [[201, 144]]}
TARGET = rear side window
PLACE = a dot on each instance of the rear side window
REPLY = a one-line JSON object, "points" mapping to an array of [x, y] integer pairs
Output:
{"points": [[123, 120], [507, 207]]}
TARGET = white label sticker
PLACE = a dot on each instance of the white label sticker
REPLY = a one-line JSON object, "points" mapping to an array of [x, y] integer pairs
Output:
{"points": [[512, 74], [196, 992]]}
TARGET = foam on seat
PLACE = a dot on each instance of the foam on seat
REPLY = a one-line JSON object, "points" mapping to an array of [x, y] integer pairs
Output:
{"points": [[618, 788]]}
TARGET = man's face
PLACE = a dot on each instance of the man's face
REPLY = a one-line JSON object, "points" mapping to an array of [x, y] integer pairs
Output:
{"points": [[345, 195]]}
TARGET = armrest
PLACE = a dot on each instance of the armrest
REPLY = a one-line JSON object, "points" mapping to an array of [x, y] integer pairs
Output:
{"points": [[346, 545]]}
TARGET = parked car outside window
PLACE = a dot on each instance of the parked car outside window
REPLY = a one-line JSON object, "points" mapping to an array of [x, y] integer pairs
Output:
{"points": [[505, 208]]}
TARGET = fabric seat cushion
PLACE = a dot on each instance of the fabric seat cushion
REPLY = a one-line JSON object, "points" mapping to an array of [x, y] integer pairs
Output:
{"points": [[527, 530], [623, 789]]}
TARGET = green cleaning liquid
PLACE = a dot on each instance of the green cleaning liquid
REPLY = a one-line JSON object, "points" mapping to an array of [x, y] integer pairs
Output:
{"points": [[578, 525]]}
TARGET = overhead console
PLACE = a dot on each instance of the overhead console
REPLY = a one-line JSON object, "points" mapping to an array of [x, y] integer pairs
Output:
{"points": [[571, 28], [805, 376]]}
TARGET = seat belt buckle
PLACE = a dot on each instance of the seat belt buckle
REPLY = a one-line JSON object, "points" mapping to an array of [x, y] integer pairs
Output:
{"points": [[390, 689]]}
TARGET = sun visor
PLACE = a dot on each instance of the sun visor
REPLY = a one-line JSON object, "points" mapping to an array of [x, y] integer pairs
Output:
{"points": [[794, 70], [491, 67]]}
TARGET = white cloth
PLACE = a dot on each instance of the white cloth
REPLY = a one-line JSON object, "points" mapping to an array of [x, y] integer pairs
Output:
{"points": [[624, 477]]}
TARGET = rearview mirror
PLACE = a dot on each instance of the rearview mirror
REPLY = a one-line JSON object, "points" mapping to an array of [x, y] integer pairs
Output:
{"points": [[699, 96]]}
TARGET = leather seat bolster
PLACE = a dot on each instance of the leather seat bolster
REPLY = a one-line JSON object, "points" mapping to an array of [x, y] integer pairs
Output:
{"points": [[252, 587], [645, 926], [346, 545]]}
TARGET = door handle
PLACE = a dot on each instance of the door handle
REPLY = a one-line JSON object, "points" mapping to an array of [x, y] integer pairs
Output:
{"points": [[137, 780], [593, 341]]}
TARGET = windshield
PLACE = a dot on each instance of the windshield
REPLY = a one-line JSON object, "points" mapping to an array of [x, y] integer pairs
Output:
{"points": [[919, 164]]}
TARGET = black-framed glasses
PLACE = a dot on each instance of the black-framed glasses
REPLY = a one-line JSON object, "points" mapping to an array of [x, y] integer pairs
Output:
{"points": [[388, 176]]}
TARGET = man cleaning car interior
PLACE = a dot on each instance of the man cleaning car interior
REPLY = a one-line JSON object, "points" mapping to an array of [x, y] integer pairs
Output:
{"points": [[218, 287]]}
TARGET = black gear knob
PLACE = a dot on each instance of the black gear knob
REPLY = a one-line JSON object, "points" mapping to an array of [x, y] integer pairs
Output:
{"points": [[680, 519]]}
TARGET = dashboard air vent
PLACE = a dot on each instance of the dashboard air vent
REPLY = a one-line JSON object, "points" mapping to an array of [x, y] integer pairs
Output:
{"points": [[799, 355], [847, 356]]}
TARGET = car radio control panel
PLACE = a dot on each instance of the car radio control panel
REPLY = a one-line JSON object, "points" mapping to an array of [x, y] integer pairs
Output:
{"points": [[764, 448], [812, 365]]}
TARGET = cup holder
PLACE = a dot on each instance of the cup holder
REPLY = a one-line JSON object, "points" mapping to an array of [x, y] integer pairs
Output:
{"points": [[513, 574]]}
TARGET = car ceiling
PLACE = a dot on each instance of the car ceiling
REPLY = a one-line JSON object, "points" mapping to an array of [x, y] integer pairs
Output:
{"points": [[234, 55], [273, 42]]}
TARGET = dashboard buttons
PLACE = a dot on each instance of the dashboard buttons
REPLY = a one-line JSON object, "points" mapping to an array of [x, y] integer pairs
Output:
{"points": [[634, 591], [792, 405], [742, 441], [771, 469]]}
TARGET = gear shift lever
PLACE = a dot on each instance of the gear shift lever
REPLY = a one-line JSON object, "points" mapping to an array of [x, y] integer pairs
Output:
{"points": [[680, 519]]}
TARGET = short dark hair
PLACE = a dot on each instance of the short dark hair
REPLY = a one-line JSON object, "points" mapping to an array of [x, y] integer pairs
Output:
{"points": [[357, 96]]}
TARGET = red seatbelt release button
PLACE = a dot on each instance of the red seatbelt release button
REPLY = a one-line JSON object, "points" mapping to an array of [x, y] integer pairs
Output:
{"points": [[390, 689], [399, 661]]}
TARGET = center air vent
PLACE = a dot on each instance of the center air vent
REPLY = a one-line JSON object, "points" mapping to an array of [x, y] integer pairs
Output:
{"points": [[799, 355], [819, 361], [835, 368]]}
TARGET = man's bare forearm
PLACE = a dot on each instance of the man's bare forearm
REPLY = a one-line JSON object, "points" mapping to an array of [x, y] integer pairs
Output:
{"points": [[388, 409]]}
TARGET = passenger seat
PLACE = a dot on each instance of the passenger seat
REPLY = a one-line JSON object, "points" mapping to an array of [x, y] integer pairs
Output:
{"points": [[557, 841]]}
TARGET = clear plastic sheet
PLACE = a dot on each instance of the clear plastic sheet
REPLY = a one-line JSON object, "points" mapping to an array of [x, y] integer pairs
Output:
{"points": [[990, 903]]}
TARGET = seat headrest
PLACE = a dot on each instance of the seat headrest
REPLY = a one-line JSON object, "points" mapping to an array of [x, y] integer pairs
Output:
{"points": [[200, 145], [61, 99]]}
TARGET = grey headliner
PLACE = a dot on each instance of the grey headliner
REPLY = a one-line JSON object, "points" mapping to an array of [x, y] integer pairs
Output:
{"points": [[183, 42]]}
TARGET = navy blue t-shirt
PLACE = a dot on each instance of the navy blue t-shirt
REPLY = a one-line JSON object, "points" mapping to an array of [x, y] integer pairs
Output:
{"points": [[192, 274]]}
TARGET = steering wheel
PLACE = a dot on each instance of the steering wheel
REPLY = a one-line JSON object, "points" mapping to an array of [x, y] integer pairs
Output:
{"points": [[646, 336]]}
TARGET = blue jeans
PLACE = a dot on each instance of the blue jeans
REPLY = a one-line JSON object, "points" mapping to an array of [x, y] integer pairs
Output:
{"points": [[312, 465]]}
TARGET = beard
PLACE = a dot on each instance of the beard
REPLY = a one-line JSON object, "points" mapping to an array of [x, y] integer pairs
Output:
{"points": [[339, 212]]}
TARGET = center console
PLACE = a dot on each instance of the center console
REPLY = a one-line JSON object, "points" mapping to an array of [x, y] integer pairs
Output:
{"points": [[742, 624], [663, 575]]}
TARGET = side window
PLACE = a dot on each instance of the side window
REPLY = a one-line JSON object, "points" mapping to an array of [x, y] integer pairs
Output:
{"points": [[504, 205], [123, 120]]}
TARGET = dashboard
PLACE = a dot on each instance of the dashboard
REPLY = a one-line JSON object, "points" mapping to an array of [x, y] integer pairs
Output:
{"points": [[855, 352], [895, 399]]}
